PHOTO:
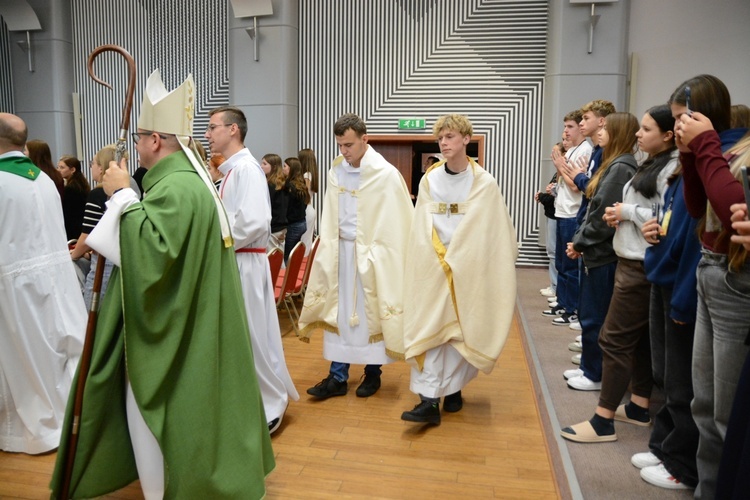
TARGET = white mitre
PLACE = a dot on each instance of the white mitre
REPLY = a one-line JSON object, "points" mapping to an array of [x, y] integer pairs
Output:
{"points": [[172, 113], [168, 112]]}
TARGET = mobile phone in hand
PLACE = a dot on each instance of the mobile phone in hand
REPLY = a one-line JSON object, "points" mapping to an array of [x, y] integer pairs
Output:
{"points": [[687, 101], [746, 185]]}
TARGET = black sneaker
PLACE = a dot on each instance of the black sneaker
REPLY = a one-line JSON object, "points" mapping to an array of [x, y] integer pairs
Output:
{"points": [[555, 311], [424, 412], [327, 388], [453, 402], [274, 425], [369, 386]]}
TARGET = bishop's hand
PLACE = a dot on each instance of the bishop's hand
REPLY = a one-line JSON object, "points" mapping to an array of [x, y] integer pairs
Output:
{"points": [[116, 177]]}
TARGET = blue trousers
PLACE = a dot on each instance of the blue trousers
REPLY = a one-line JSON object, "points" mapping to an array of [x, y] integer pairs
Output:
{"points": [[340, 371], [596, 292], [294, 232], [567, 269]]}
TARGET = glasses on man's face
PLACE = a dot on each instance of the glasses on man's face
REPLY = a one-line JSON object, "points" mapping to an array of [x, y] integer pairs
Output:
{"points": [[211, 127], [137, 136]]}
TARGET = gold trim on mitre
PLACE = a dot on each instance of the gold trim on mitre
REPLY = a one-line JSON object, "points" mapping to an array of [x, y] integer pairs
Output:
{"points": [[168, 112]]}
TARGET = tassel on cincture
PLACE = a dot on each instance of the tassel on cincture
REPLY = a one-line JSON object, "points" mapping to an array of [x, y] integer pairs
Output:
{"points": [[354, 320]]}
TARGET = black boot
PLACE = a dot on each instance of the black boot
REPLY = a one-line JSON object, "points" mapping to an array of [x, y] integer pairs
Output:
{"points": [[424, 412], [453, 402], [327, 388]]}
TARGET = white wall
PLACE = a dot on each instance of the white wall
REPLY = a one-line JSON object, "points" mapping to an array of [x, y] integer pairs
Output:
{"points": [[678, 39]]}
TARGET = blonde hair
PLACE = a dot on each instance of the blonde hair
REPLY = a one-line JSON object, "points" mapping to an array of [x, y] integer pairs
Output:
{"points": [[737, 255], [459, 123], [599, 107], [106, 155]]}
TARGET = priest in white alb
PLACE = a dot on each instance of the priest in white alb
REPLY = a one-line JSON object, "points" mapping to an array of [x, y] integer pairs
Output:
{"points": [[244, 191], [42, 315], [460, 277]]}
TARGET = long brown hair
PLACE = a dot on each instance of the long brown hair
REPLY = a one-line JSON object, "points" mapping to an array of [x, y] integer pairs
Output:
{"points": [[621, 129], [709, 95], [276, 176], [77, 180], [41, 156], [309, 165], [296, 182]]}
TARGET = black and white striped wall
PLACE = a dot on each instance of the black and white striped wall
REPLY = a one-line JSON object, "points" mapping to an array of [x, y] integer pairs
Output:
{"points": [[391, 59], [177, 37], [6, 74]]}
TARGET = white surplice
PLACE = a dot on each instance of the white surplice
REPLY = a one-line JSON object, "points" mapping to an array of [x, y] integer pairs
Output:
{"points": [[42, 315], [445, 371], [244, 191], [352, 343]]}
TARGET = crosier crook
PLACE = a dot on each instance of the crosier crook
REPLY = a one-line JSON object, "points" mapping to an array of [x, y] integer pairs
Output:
{"points": [[85, 361]]}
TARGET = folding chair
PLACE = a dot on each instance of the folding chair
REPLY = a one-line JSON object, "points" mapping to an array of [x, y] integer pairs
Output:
{"points": [[306, 267], [283, 290], [275, 259]]}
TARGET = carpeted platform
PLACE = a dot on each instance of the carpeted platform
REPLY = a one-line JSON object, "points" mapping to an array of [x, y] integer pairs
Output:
{"points": [[594, 471]]}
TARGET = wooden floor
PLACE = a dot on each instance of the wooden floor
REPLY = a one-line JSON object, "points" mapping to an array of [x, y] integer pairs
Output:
{"points": [[349, 447]]}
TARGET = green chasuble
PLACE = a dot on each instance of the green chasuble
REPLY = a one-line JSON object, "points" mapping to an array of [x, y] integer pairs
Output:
{"points": [[174, 320]]}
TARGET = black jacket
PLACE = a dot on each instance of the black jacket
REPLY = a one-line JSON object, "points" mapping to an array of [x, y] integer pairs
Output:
{"points": [[594, 237], [548, 200]]}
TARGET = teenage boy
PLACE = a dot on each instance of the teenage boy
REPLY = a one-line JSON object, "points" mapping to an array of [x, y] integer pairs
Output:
{"points": [[461, 235], [567, 203]]}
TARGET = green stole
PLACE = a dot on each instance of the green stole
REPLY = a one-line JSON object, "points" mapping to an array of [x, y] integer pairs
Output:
{"points": [[20, 165]]}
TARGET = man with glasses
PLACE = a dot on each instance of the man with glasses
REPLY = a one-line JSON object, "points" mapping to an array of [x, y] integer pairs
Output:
{"points": [[171, 397], [244, 191]]}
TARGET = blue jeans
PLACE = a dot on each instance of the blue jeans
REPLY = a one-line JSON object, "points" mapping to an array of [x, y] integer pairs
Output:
{"points": [[294, 232], [674, 438], [88, 290], [340, 371], [596, 292], [551, 251], [719, 352], [567, 269]]}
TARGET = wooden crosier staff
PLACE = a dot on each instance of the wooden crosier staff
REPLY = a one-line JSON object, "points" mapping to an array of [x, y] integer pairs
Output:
{"points": [[88, 345]]}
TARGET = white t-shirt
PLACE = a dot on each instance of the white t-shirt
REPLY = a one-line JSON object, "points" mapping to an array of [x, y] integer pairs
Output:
{"points": [[568, 200]]}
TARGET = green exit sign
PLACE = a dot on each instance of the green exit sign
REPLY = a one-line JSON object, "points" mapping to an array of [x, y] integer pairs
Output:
{"points": [[411, 123]]}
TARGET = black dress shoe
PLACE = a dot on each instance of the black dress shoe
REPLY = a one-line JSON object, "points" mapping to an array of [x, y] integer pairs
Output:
{"points": [[328, 387], [453, 402], [424, 412], [369, 386]]}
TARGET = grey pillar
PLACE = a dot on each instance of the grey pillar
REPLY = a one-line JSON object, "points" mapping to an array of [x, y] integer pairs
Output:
{"points": [[43, 97], [266, 90], [575, 77]]}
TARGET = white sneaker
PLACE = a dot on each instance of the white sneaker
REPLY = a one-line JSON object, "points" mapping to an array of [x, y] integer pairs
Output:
{"points": [[553, 304], [547, 292], [582, 383], [572, 373], [575, 325], [658, 475], [552, 299], [575, 347], [579, 338], [576, 359], [645, 459]]}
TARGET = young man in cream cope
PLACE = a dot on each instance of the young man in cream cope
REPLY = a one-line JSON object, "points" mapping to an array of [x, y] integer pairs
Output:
{"points": [[355, 290], [460, 278]]}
